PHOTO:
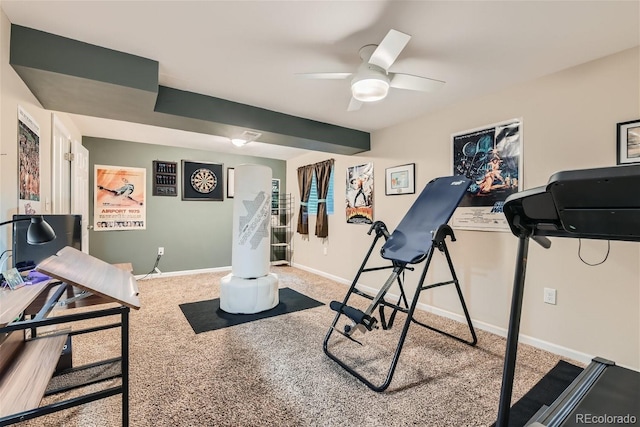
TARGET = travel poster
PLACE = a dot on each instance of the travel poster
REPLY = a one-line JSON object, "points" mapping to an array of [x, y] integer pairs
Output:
{"points": [[119, 198]]}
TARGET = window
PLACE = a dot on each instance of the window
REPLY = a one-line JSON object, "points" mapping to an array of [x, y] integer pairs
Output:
{"points": [[312, 207]]}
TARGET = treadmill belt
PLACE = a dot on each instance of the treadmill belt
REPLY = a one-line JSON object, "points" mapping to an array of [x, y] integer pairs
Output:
{"points": [[615, 393]]}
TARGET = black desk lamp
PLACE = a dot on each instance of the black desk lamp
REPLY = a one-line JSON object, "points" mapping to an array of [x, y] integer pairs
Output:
{"points": [[39, 230]]}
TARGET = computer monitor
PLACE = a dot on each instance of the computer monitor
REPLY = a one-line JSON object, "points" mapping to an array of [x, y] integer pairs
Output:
{"points": [[68, 233]]}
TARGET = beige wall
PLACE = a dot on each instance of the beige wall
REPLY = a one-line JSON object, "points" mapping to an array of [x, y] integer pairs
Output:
{"points": [[569, 122], [14, 92]]}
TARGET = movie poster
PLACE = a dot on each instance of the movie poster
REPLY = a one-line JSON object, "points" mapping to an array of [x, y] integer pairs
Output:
{"points": [[119, 198], [492, 158], [360, 194], [28, 164]]}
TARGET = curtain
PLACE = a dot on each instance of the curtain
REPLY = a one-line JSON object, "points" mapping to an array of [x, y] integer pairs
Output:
{"points": [[323, 173], [305, 174]]}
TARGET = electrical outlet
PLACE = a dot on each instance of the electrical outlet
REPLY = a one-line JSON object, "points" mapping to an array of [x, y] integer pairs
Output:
{"points": [[550, 296], [161, 250], [324, 250]]}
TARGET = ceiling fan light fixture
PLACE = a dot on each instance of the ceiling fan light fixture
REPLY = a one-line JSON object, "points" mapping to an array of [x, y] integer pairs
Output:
{"points": [[370, 90]]}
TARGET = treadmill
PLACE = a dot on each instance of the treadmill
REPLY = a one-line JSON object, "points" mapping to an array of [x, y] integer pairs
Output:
{"points": [[601, 203]]}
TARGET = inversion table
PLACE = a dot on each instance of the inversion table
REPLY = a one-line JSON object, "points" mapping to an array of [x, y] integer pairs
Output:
{"points": [[601, 203], [423, 228]]}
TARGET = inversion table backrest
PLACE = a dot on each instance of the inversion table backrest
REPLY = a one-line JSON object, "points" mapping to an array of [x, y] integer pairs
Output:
{"points": [[412, 240]]}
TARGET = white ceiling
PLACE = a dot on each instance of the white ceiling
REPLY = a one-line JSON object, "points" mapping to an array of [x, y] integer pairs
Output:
{"points": [[250, 51]]}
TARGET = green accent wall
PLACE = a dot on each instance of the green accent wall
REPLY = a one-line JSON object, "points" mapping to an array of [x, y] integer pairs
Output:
{"points": [[195, 234]]}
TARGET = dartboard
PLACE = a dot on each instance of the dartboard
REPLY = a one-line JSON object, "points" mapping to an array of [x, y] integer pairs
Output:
{"points": [[203, 180]]}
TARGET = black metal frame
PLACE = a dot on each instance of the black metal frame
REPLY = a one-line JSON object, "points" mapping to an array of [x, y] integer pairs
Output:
{"points": [[40, 320], [590, 204], [365, 319]]}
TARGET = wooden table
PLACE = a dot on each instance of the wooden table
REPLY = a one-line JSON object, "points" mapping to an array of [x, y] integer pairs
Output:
{"points": [[29, 364]]}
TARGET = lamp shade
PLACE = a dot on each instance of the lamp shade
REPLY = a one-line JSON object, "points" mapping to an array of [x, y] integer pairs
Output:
{"points": [[39, 230]]}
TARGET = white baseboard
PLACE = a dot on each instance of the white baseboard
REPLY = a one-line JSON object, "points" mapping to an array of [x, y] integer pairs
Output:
{"points": [[182, 273], [496, 330]]}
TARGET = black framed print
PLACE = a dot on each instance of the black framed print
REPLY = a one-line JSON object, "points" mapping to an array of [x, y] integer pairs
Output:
{"points": [[202, 181], [231, 173], [628, 147], [400, 179]]}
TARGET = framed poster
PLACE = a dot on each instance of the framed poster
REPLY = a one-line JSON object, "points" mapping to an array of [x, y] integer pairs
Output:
{"points": [[492, 158], [275, 196], [28, 163], [400, 180], [628, 142], [202, 181], [119, 198], [231, 191], [359, 194]]}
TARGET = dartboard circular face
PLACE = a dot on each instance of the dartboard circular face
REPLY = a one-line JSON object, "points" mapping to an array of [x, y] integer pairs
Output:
{"points": [[203, 180]]}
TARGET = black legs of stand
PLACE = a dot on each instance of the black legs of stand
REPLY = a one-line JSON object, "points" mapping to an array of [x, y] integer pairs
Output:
{"points": [[124, 364], [512, 335], [355, 315]]}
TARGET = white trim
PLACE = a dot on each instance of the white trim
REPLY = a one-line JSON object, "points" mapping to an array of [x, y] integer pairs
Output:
{"points": [[496, 330], [182, 273]]}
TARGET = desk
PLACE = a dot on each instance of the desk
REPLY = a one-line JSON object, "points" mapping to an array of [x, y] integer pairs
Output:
{"points": [[12, 305], [27, 372]]}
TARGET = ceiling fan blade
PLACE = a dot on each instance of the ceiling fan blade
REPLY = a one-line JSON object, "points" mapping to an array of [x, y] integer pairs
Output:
{"points": [[325, 76], [388, 50], [354, 104], [409, 82]]}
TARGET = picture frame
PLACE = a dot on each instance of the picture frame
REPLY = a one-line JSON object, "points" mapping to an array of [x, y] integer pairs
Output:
{"points": [[13, 278], [628, 142], [231, 173], [400, 180], [275, 196], [202, 181]]}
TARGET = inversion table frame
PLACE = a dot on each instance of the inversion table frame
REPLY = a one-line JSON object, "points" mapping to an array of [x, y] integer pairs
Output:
{"points": [[601, 203], [423, 228]]}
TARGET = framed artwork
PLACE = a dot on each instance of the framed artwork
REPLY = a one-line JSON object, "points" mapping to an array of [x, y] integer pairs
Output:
{"points": [[491, 157], [13, 278], [359, 194], [28, 163], [628, 147], [230, 182], [202, 181], [275, 196], [400, 179], [119, 198]]}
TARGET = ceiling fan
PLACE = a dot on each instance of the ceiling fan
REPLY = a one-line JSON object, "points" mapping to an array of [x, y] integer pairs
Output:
{"points": [[372, 80]]}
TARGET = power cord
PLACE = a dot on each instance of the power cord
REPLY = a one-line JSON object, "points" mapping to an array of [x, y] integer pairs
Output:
{"points": [[154, 269], [597, 263]]}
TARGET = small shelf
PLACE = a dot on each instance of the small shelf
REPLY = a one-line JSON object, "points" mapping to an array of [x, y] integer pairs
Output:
{"points": [[165, 178], [281, 215]]}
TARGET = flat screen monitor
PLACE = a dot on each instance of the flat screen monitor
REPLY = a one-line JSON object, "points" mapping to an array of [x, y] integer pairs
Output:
{"points": [[68, 233]]}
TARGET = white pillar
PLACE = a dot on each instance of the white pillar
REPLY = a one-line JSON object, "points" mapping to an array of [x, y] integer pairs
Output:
{"points": [[250, 288]]}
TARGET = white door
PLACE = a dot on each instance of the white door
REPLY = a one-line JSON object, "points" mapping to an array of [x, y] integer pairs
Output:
{"points": [[80, 188], [60, 168]]}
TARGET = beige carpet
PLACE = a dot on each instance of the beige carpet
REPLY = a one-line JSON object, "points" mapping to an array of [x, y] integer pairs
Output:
{"points": [[273, 372]]}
